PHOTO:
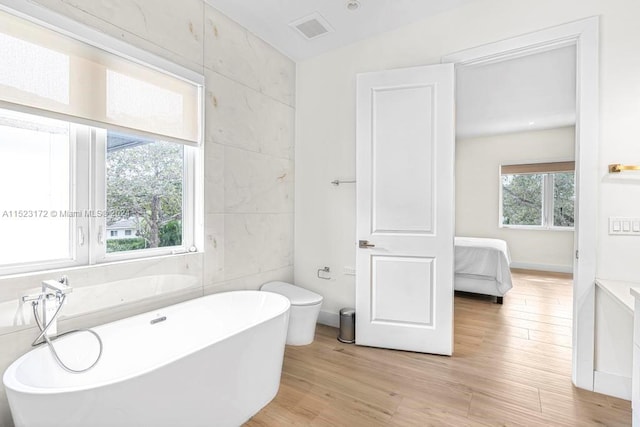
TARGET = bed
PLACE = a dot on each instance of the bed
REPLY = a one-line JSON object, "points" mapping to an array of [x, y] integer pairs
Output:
{"points": [[482, 266]]}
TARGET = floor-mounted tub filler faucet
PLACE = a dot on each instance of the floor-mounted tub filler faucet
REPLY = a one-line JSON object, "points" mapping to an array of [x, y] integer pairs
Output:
{"points": [[53, 296]]}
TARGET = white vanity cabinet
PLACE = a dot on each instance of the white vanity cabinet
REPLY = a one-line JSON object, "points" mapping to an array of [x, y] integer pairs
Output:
{"points": [[613, 352], [617, 342]]}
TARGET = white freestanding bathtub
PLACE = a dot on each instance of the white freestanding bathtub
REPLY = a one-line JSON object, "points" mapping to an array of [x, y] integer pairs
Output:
{"points": [[214, 361]]}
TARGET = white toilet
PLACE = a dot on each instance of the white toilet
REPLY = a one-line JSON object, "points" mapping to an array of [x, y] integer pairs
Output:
{"points": [[305, 307]]}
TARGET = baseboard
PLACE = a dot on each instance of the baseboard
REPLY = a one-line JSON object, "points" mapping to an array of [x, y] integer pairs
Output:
{"points": [[612, 385], [542, 267], [328, 318]]}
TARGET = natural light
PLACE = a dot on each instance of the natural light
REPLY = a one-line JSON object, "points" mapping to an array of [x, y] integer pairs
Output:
{"points": [[34, 158]]}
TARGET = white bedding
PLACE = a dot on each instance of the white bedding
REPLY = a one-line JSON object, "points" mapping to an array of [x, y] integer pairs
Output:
{"points": [[482, 266]]}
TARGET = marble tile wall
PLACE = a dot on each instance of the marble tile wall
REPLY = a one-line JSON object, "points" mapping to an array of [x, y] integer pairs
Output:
{"points": [[248, 155], [232, 51], [250, 118]]}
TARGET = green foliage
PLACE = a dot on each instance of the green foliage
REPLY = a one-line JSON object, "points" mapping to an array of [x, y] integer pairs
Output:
{"points": [[171, 233], [119, 245], [144, 181], [563, 199], [522, 199]]}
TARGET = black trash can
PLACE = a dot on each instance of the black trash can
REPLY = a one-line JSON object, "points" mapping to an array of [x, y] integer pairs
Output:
{"points": [[347, 325]]}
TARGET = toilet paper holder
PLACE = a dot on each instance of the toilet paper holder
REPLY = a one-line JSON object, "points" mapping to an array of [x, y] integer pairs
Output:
{"points": [[323, 270]]}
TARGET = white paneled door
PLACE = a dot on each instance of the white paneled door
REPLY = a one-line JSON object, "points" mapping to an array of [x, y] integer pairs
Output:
{"points": [[405, 202]]}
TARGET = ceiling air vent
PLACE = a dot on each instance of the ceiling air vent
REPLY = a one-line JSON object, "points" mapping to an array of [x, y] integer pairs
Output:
{"points": [[312, 26]]}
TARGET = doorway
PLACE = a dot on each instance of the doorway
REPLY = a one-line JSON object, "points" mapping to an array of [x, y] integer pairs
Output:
{"points": [[584, 36]]}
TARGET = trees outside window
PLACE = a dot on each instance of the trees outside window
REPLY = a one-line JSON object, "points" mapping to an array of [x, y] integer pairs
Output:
{"points": [[145, 187], [522, 199], [543, 200], [564, 195]]}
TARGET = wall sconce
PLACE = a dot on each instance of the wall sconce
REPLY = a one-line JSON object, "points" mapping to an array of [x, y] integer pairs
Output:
{"points": [[617, 168]]}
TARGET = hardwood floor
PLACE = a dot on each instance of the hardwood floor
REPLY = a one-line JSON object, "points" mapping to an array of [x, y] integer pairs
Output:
{"points": [[511, 366]]}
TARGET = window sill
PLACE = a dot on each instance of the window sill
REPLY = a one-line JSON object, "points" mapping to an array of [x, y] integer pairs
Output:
{"points": [[535, 228], [143, 254], [80, 268]]}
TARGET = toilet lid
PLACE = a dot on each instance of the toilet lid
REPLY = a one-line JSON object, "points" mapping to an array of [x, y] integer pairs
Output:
{"points": [[297, 295]]}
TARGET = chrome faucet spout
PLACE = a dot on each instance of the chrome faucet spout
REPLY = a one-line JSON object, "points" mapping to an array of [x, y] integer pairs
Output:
{"points": [[60, 287], [29, 298]]}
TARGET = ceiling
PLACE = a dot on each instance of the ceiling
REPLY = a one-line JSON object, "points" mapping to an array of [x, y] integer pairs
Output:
{"points": [[532, 92], [269, 20]]}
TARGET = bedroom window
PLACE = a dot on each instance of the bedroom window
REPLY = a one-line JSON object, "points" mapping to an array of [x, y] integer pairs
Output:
{"points": [[539, 195]]}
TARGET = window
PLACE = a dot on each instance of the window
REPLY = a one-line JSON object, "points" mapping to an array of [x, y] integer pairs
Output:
{"points": [[564, 195], [144, 180], [35, 158], [98, 149], [538, 195]]}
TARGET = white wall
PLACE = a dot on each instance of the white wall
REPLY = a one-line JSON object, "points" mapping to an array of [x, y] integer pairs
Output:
{"points": [[325, 143], [478, 163], [249, 170]]}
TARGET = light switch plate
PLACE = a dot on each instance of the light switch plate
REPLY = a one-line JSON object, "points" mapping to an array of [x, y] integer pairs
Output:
{"points": [[624, 226], [349, 271]]}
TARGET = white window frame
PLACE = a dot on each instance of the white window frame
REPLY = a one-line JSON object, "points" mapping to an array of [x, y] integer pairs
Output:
{"points": [[78, 193], [87, 187], [547, 205], [98, 227], [85, 232]]}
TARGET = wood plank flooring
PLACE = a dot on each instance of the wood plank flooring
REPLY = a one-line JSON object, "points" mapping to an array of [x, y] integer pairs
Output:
{"points": [[511, 366]]}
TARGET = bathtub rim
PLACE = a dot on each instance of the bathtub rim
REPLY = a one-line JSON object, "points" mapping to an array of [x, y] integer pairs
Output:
{"points": [[11, 383]]}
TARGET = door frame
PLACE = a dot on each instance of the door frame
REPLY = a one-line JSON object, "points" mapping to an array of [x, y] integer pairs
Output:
{"points": [[584, 34]]}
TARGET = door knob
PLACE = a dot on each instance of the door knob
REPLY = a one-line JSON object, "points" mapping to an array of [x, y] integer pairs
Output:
{"points": [[364, 244]]}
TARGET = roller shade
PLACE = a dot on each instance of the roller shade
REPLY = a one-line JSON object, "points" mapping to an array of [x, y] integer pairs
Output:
{"points": [[552, 167], [55, 75]]}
